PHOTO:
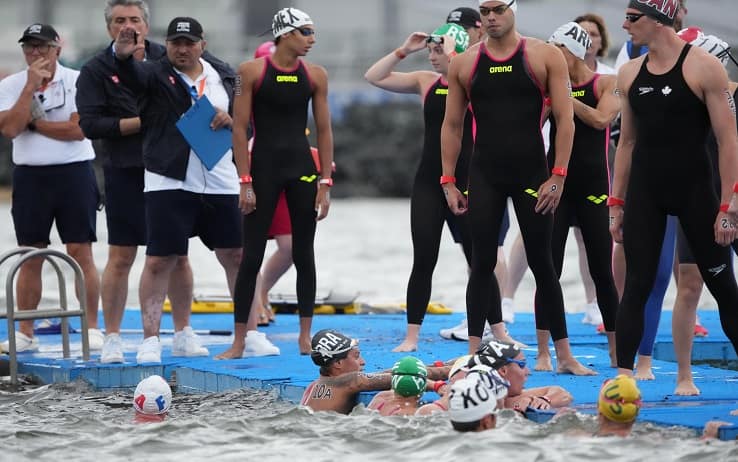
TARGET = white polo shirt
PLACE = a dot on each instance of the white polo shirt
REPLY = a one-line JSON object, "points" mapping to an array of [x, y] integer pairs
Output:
{"points": [[223, 178], [57, 102]]}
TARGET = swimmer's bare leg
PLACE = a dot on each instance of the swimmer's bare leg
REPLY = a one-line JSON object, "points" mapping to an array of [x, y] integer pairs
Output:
{"points": [[565, 361], [643, 369], [239, 343], [543, 360], [304, 340], [411, 339]]}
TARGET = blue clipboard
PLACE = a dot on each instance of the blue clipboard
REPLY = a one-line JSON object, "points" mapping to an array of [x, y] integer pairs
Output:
{"points": [[209, 145]]}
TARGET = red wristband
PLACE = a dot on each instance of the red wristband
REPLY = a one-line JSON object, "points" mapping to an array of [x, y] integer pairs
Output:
{"points": [[245, 179], [735, 188], [437, 386], [560, 171], [438, 363], [400, 54], [724, 207], [612, 200], [448, 179]]}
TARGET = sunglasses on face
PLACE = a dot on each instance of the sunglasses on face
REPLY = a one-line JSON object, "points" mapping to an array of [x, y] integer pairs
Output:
{"points": [[633, 17], [305, 32], [498, 10], [520, 362]]}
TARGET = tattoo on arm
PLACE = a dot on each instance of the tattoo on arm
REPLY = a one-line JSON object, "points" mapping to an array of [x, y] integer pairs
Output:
{"points": [[731, 101], [237, 87], [438, 373], [370, 382]]}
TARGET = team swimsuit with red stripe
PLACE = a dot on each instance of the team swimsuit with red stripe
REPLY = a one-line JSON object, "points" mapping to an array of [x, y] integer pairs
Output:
{"points": [[509, 160], [584, 200], [670, 174], [280, 161]]}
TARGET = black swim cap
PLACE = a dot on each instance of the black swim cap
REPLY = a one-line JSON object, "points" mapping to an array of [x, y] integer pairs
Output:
{"points": [[494, 353], [663, 11], [330, 345]]}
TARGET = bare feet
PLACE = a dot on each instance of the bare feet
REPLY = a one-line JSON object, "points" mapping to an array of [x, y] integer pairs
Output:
{"points": [[305, 345], [406, 345], [643, 369], [574, 367], [233, 352], [643, 374], [543, 363], [508, 339], [686, 388]]}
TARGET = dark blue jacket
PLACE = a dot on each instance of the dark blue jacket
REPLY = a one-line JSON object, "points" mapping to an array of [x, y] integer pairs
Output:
{"points": [[165, 151], [102, 100]]}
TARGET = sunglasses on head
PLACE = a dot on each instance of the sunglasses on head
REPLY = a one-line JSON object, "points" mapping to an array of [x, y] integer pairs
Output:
{"points": [[520, 362], [498, 10], [633, 17], [305, 32]]}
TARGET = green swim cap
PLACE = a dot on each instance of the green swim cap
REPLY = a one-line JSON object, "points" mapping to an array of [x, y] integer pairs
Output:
{"points": [[409, 377], [457, 32]]}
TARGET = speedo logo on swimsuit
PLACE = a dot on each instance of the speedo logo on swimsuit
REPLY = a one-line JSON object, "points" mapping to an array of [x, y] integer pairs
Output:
{"points": [[442, 91], [286, 79], [500, 69], [532, 192], [717, 270], [578, 93], [597, 199], [308, 179], [644, 90]]}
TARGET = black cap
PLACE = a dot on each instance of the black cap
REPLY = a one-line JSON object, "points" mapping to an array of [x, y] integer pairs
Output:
{"points": [[185, 27], [465, 17], [40, 32], [330, 345], [494, 353]]}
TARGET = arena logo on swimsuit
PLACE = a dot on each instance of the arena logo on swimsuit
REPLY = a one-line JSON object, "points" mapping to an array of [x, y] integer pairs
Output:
{"points": [[499, 69], [668, 8], [442, 91], [578, 93], [286, 79]]}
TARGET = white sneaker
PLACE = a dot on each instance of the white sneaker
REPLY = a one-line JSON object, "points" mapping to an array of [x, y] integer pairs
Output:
{"points": [[149, 351], [112, 350], [257, 344], [187, 343], [95, 338], [449, 333], [508, 310], [22, 343], [592, 314]]}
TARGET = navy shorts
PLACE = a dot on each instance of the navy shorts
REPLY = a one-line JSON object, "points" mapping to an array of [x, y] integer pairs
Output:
{"points": [[173, 216], [125, 211], [63, 194]]}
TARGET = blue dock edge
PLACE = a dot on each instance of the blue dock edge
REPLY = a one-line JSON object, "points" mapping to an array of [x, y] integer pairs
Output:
{"points": [[289, 374]]}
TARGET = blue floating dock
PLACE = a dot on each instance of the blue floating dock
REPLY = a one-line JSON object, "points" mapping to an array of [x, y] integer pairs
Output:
{"points": [[290, 373]]}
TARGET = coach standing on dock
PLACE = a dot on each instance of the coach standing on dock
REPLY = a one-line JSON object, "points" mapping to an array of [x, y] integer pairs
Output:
{"points": [[109, 111], [53, 179], [183, 197]]}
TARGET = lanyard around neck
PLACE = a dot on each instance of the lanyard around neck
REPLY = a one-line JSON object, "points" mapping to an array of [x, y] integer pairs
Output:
{"points": [[196, 93]]}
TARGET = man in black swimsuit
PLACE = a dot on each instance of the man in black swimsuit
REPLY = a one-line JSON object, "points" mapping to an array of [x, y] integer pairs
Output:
{"points": [[506, 77], [669, 99]]}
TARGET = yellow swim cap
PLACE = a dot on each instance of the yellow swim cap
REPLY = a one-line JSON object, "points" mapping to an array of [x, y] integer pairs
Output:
{"points": [[620, 399]]}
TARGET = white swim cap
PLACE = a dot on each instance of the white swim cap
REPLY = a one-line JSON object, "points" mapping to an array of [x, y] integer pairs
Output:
{"points": [[710, 43], [288, 19], [152, 396], [471, 400], [573, 37]]}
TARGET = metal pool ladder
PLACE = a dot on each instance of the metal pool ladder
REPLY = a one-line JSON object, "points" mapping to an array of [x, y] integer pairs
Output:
{"points": [[63, 312]]}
